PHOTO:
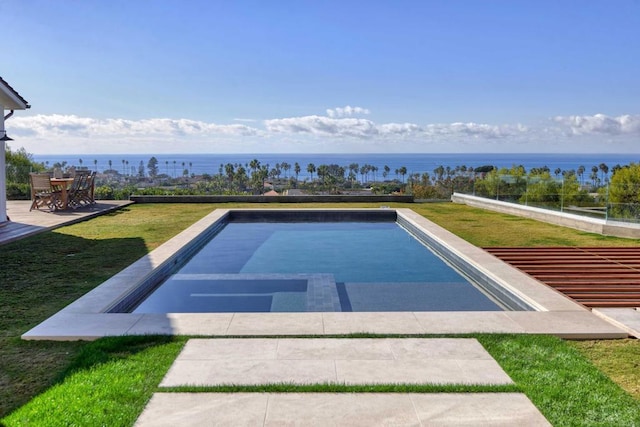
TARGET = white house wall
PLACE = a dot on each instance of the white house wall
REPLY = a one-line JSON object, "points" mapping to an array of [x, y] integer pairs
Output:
{"points": [[3, 174]]}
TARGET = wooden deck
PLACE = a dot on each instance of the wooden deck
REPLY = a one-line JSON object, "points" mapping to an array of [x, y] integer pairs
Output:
{"points": [[592, 276], [25, 223]]}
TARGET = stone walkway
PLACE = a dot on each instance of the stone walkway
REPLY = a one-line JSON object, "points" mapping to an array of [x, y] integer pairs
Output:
{"points": [[254, 361], [340, 409]]}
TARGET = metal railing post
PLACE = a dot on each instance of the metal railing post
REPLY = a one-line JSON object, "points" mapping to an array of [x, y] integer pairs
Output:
{"points": [[562, 196]]}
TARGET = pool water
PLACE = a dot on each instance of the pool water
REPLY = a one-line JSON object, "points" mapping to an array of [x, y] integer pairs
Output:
{"points": [[315, 266]]}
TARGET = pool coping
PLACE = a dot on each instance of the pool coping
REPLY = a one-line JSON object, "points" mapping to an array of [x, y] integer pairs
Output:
{"points": [[88, 318]]}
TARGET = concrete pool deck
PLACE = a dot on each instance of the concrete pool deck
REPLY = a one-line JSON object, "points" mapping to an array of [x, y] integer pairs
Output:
{"points": [[88, 318]]}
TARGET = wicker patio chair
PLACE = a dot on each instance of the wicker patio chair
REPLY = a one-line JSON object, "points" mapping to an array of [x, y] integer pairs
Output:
{"points": [[42, 194]]}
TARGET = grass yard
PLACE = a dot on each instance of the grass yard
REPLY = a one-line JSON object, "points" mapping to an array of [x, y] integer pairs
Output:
{"points": [[121, 373]]}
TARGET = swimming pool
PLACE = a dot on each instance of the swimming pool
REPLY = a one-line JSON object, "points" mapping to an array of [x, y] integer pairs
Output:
{"points": [[274, 261], [531, 307]]}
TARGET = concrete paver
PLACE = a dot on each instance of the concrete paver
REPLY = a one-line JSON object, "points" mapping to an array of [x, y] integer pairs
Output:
{"points": [[339, 409], [626, 318], [325, 360], [284, 323]]}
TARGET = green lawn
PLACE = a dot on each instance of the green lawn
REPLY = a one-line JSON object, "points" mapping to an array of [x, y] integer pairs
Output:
{"points": [[121, 373]]}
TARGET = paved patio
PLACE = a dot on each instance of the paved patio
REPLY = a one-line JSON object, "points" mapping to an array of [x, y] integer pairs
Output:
{"points": [[24, 223]]}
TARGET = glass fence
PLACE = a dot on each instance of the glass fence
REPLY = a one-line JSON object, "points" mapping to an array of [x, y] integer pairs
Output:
{"points": [[558, 194]]}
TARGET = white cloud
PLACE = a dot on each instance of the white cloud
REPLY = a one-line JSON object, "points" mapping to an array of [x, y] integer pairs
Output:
{"points": [[476, 130], [601, 124], [399, 129], [367, 129], [347, 111], [47, 126], [335, 132], [323, 126], [56, 126]]}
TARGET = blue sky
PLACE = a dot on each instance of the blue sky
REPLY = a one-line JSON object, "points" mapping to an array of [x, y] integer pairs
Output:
{"points": [[239, 76]]}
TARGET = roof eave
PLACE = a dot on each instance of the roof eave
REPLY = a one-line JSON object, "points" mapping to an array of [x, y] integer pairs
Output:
{"points": [[10, 98]]}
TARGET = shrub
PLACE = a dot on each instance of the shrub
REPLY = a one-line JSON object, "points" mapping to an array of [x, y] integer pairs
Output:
{"points": [[104, 192], [16, 191]]}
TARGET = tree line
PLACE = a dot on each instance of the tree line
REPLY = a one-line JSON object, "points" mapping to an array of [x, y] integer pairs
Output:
{"points": [[121, 178]]}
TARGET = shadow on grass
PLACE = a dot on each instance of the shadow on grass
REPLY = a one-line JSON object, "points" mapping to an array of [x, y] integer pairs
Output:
{"points": [[108, 382], [110, 349], [40, 275]]}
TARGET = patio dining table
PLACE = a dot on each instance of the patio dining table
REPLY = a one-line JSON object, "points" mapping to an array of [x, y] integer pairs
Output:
{"points": [[62, 185]]}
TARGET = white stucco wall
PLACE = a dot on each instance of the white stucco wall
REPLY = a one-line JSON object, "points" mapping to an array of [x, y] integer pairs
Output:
{"points": [[3, 173]]}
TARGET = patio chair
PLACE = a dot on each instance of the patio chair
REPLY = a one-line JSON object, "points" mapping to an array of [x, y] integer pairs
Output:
{"points": [[82, 194], [78, 187], [42, 194], [90, 194]]}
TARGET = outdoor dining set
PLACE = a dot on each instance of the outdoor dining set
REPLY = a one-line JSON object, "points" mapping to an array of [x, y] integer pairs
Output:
{"points": [[71, 191]]}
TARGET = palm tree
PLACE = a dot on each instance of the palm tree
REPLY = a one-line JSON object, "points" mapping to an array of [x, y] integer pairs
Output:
{"points": [[363, 172], [254, 165], [605, 171], [110, 164], [386, 171], [230, 171], [174, 168], [80, 161], [402, 171], [296, 169], [285, 167], [95, 164], [581, 174], [311, 168], [594, 175], [353, 169], [166, 166], [123, 170], [323, 170]]}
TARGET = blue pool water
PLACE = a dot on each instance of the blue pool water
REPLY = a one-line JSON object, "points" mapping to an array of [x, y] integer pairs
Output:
{"points": [[315, 266]]}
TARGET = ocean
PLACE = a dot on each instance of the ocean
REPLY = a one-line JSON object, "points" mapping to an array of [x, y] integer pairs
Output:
{"points": [[171, 164]]}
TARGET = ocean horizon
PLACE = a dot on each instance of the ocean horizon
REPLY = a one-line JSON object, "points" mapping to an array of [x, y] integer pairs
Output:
{"points": [[172, 164]]}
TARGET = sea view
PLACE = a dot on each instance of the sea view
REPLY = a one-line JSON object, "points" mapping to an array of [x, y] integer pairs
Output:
{"points": [[171, 164], [320, 213]]}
